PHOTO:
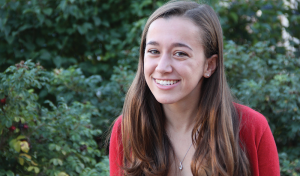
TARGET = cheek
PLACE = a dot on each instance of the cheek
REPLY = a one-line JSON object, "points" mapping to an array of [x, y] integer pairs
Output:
{"points": [[199, 66], [149, 67], [194, 71]]}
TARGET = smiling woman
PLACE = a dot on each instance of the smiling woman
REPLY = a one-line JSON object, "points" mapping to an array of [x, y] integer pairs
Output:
{"points": [[179, 117]]}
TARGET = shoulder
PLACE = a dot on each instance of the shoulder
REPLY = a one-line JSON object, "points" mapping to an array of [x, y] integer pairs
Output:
{"points": [[116, 148], [116, 130], [251, 119], [252, 124], [117, 123]]}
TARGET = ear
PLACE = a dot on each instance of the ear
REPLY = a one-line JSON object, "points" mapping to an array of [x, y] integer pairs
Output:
{"points": [[210, 65]]}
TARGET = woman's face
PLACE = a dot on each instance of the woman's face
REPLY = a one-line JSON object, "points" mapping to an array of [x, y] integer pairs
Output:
{"points": [[174, 61]]}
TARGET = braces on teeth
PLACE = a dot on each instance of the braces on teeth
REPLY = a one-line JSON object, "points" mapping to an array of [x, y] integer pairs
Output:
{"points": [[166, 82]]}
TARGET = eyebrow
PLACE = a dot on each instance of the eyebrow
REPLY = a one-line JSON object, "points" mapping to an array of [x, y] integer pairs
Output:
{"points": [[174, 44]]}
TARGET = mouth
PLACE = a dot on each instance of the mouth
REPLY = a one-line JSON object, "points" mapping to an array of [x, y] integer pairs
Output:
{"points": [[165, 82]]}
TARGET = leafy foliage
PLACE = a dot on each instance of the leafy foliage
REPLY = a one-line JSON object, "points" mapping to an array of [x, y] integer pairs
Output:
{"points": [[90, 33], [89, 49], [48, 141]]}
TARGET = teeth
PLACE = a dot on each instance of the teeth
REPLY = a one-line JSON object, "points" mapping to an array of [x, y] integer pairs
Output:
{"points": [[166, 82]]}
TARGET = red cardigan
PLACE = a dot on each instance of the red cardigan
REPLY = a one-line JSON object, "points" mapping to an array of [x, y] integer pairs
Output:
{"points": [[255, 134]]}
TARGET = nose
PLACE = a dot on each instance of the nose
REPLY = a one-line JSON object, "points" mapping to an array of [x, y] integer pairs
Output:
{"points": [[164, 64]]}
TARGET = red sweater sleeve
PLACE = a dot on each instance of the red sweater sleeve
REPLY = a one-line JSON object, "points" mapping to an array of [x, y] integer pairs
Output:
{"points": [[268, 161], [116, 149], [260, 145]]}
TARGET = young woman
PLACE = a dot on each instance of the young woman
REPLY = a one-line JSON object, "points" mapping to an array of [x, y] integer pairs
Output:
{"points": [[179, 117]]}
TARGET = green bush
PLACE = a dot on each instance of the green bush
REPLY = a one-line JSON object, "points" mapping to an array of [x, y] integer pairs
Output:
{"points": [[47, 141], [289, 167], [92, 34]]}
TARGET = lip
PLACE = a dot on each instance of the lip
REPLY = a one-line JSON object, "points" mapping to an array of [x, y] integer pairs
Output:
{"points": [[166, 87]]}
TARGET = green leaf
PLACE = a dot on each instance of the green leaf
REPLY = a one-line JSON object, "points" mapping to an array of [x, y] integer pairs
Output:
{"points": [[62, 174], [48, 22], [17, 119], [30, 90], [8, 123], [9, 39], [24, 146], [12, 143], [82, 29], [52, 146], [55, 162], [7, 30], [27, 11], [57, 61], [17, 130], [10, 173], [59, 162], [234, 16], [45, 55], [58, 148], [14, 5], [36, 170], [41, 18], [21, 161], [21, 137], [17, 146], [22, 120], [78, 169], [88, 25], [24, 27], [97, 21], [47, 11]]}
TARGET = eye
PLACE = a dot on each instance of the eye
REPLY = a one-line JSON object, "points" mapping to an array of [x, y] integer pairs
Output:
{"points": [[180, 54], [153, 51]]}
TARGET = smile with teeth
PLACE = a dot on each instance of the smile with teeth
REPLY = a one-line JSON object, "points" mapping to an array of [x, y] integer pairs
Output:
{"points": [[166, 82]]}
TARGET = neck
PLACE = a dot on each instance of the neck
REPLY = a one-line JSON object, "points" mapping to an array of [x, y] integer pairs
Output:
{"points": [[180, 117]]}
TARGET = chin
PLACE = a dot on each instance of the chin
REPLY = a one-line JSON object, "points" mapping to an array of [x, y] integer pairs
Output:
{"points": [[165, 100]]}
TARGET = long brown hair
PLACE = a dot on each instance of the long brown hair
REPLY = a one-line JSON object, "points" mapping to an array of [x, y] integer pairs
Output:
{"points": [[147, 148]]}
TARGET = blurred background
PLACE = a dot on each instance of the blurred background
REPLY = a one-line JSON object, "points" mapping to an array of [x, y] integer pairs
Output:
{"points": [[65, 67]]}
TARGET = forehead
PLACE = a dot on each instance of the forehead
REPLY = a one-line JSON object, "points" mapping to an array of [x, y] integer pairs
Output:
{"points": [[174, 29]]}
